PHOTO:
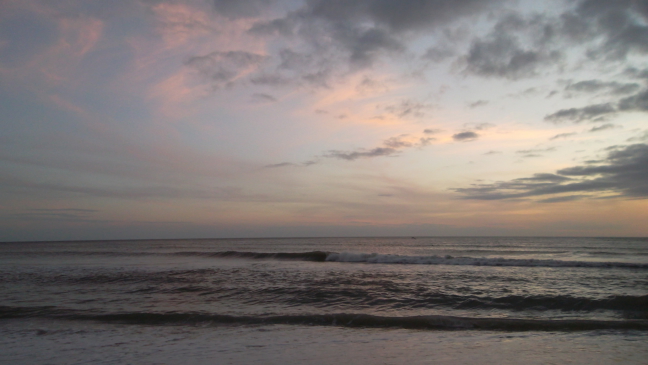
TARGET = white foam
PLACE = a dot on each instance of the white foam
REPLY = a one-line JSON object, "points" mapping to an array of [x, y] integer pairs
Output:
{"points": [[374, 258]]}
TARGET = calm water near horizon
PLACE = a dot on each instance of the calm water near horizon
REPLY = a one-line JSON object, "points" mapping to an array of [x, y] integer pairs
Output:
{"points": [[390, 300]]}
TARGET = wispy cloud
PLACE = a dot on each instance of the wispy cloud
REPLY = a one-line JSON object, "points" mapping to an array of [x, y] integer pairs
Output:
{"points": [[478, 103], [535, 152], [562, 135]]}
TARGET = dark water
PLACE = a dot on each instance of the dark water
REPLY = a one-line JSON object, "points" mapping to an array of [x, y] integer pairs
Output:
{"points": [[572, 285]]}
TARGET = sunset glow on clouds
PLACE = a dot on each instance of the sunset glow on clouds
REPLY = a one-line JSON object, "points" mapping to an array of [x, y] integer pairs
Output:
{"points": [[249, 118]]}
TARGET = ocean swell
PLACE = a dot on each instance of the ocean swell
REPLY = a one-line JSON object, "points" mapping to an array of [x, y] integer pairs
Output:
{"points": [[431, 322]]}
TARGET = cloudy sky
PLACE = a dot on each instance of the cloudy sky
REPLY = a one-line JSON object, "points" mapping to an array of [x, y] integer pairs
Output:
{"points": [[256, 118]]}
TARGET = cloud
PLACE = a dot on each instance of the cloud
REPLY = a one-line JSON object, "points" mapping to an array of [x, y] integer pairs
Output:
{"points": [[397, 142], [390, 147], [424, 141], [282, 164], [465, 136], [602, 127], [270, 79], [432, 131], [640, 138], [222, 69], [338, 37], [408, 108], [636, 73], [477, 103], [623, 172], [479, 126], [401, 16], [560, 199], [535, 152], [263, 98], [637, 102], [594, 86], [598, 112], [520, 46], [501, 55], [439, 53], [562, 135], [241, 8], [492, 153], [623, 31], [354, 155], [517, 47]]}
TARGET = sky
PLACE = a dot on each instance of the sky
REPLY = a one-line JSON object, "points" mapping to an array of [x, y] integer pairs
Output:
{"points": [[291, 118]]}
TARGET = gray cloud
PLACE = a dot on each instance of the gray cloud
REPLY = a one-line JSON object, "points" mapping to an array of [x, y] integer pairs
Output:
{"points": [[599, 112], [594, 86], [520, 46], [282, 164], [263, 98], [465, 136], [637, 102], [283, 26], [424, 141], [596, 112], [354, 155], [636, 73], [408, 108], [624, 171], [339, 37], [270, 79], [390, 147], [501, 55], [479, 126], [432, 131], [560, 199], [562, 135], [623, 31], [222, 68], [602, 127], [439, 53], [477, 103], [492, 153], [397, 142], [364, 45], [401, 16], [640, 138], [241, 8], [535, 152], [346, 36]]}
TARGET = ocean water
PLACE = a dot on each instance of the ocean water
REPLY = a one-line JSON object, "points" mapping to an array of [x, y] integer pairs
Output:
{"points": [[424, 300]]}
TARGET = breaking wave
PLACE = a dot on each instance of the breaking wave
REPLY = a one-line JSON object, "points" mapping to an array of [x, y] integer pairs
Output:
{"points": [[369, 258], [472, 261]]}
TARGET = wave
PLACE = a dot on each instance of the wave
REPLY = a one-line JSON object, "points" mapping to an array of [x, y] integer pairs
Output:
{"points": [[432, 322], [319, 256], [374, 258], [369, 258]]}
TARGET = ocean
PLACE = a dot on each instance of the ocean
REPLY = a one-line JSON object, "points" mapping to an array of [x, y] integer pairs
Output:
{"points": [[390, 300]]}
